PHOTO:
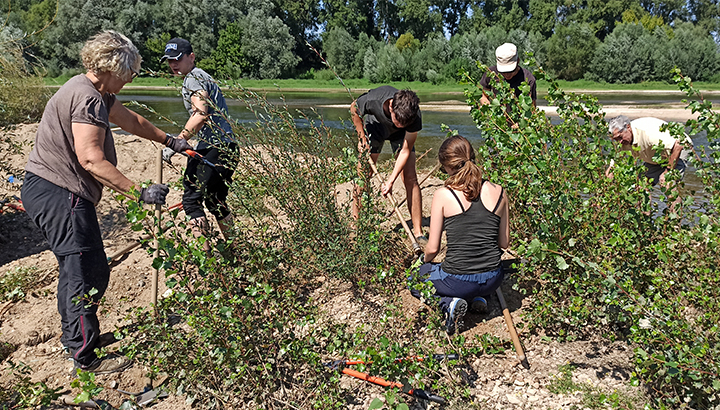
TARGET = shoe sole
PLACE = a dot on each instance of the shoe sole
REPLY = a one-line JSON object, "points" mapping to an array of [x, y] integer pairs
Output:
{"points": [[478, 306], [457, 311]]}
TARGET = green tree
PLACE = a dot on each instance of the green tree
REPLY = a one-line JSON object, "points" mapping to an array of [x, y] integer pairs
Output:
{"points": [[355, 16], [407, 41], [154, 48], [688, 47], [268, 45], [543, 16], [340, 51], [419, 18], [626, 56], [228, 59], [570, 50]]}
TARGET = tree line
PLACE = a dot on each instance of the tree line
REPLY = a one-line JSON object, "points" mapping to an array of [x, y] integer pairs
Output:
{"points": [[620, 41]]}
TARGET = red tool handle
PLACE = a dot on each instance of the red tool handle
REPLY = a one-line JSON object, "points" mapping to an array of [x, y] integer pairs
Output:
{"points": [[371, 379]]}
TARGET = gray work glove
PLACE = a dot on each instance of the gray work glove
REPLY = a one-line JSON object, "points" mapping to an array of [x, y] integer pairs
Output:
{"points": [[154, 194], [176, 144], [167, 153]]}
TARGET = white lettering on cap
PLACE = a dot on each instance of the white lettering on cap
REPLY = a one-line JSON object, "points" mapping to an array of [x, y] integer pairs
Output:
{"points": [[170, 46]]}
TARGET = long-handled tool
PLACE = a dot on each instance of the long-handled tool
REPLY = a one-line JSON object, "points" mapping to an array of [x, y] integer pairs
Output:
{"points": [[136, 244], [391, 198], [422, 180], [511, 329], [418, 393]]}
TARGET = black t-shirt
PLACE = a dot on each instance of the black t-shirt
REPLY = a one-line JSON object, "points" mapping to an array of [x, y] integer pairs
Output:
{"points": [[523, 74], [372, 103]]}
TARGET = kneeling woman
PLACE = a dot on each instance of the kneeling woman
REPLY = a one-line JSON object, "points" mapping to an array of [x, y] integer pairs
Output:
{"points": [[474, 213]]}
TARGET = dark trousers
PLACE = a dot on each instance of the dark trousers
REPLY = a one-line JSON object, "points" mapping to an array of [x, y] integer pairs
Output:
{"points": [[202, 183], [448, 287], [69, 224]]}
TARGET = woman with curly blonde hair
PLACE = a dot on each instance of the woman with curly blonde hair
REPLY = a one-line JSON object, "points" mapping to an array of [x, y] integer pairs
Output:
{"points": [[474, 214], [73, 158]]}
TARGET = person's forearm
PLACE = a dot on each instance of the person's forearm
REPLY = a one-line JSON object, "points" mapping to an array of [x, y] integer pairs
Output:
{"points": [[109, 176], [399, 164], [674, 155], [193, 126], [484, 100], [143, 128]]}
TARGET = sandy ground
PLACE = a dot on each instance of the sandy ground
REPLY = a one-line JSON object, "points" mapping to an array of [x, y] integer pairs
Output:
{"points": [[33, 325]]}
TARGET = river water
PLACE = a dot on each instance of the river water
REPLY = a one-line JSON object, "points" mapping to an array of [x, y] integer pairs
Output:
{"points": [[442, 108]]}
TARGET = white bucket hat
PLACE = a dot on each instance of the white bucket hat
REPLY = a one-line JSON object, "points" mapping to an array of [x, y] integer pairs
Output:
{"points": [[506, 57]]}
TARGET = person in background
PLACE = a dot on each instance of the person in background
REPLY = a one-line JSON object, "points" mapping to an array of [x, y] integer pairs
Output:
{"points": [[73, 158], [208, 121], [507, 67], [644, 133], [387, 113], [474, 213]]}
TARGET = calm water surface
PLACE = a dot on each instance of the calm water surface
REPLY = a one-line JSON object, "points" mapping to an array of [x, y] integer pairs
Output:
{"points": [[168, 104]]}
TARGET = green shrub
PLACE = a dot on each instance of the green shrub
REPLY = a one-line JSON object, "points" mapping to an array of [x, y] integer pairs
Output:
{"points": [[601, 256], [22, 92]]}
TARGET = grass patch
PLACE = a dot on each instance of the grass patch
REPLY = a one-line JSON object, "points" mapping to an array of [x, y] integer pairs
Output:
{"points": [[593, 397]]}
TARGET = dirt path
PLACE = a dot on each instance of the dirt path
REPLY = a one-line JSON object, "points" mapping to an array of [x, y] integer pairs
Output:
{"points": [[33, 325]]}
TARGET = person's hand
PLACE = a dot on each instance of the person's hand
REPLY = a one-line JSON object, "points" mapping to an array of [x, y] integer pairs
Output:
{"points": [[386, 188], [154, 194], [177, 144], [661, 180], [167, 153], [363, 145]]}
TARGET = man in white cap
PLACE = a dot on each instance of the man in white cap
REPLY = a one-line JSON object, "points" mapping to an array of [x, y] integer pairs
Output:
{"points": [[507, 67]]}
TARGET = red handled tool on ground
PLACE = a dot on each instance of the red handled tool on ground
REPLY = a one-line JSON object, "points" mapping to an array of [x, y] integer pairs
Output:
{"points": [[196, 155], [5, 201], [417, 393]]}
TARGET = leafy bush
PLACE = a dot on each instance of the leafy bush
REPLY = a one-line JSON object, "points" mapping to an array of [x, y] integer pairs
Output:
{"points": [[602, 256], [626, 56], [252, 334], [570, 50]]}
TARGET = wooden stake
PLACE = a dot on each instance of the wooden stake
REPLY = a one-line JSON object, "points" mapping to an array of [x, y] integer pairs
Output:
{"points": [[511, 329]]}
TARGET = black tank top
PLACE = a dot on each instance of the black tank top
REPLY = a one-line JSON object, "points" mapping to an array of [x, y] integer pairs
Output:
{"points": [[472, 239]]}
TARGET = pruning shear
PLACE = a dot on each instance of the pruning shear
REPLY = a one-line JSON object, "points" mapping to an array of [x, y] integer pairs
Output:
{"points": [[5, 201], [196, 155], [418, 393]]}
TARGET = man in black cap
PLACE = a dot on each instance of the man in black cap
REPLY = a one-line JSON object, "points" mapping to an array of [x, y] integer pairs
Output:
{"points": [[209, 123]]}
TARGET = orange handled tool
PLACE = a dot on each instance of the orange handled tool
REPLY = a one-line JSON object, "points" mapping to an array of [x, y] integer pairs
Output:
{"points": [[418, 393], [196, 155]]}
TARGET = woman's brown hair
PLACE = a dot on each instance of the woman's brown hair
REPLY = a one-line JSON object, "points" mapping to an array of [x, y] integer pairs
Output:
{"points": [[458, 159]]}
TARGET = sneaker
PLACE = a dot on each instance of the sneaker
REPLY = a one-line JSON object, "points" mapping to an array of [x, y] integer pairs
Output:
{"points": [[109, 364], [455, 314], [478, 305]]}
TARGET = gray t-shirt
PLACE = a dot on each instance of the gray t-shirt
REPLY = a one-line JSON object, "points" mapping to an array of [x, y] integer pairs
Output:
{"points": [[216, 130], [53, 158], [372, 103]]}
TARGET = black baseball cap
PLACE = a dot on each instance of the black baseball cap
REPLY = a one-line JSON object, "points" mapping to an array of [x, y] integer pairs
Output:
{"points": [[176, 48]]}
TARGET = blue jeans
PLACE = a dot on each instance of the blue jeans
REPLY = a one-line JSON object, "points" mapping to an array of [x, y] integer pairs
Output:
{"points": [[448, 286]]}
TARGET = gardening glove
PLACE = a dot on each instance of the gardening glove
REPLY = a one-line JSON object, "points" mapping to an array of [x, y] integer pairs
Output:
{"points": [[167, 153], [154, 194], [176, 144]]}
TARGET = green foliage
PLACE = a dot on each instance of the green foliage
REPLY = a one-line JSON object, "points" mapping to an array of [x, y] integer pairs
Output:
{"points": [[626, 56], [569, 50], [593, 398], [85, 381], [227, 59], [341, 50], [597, 262], [22, 393], [22, 95], [153, 50], [15, 284], [407, 41]]}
